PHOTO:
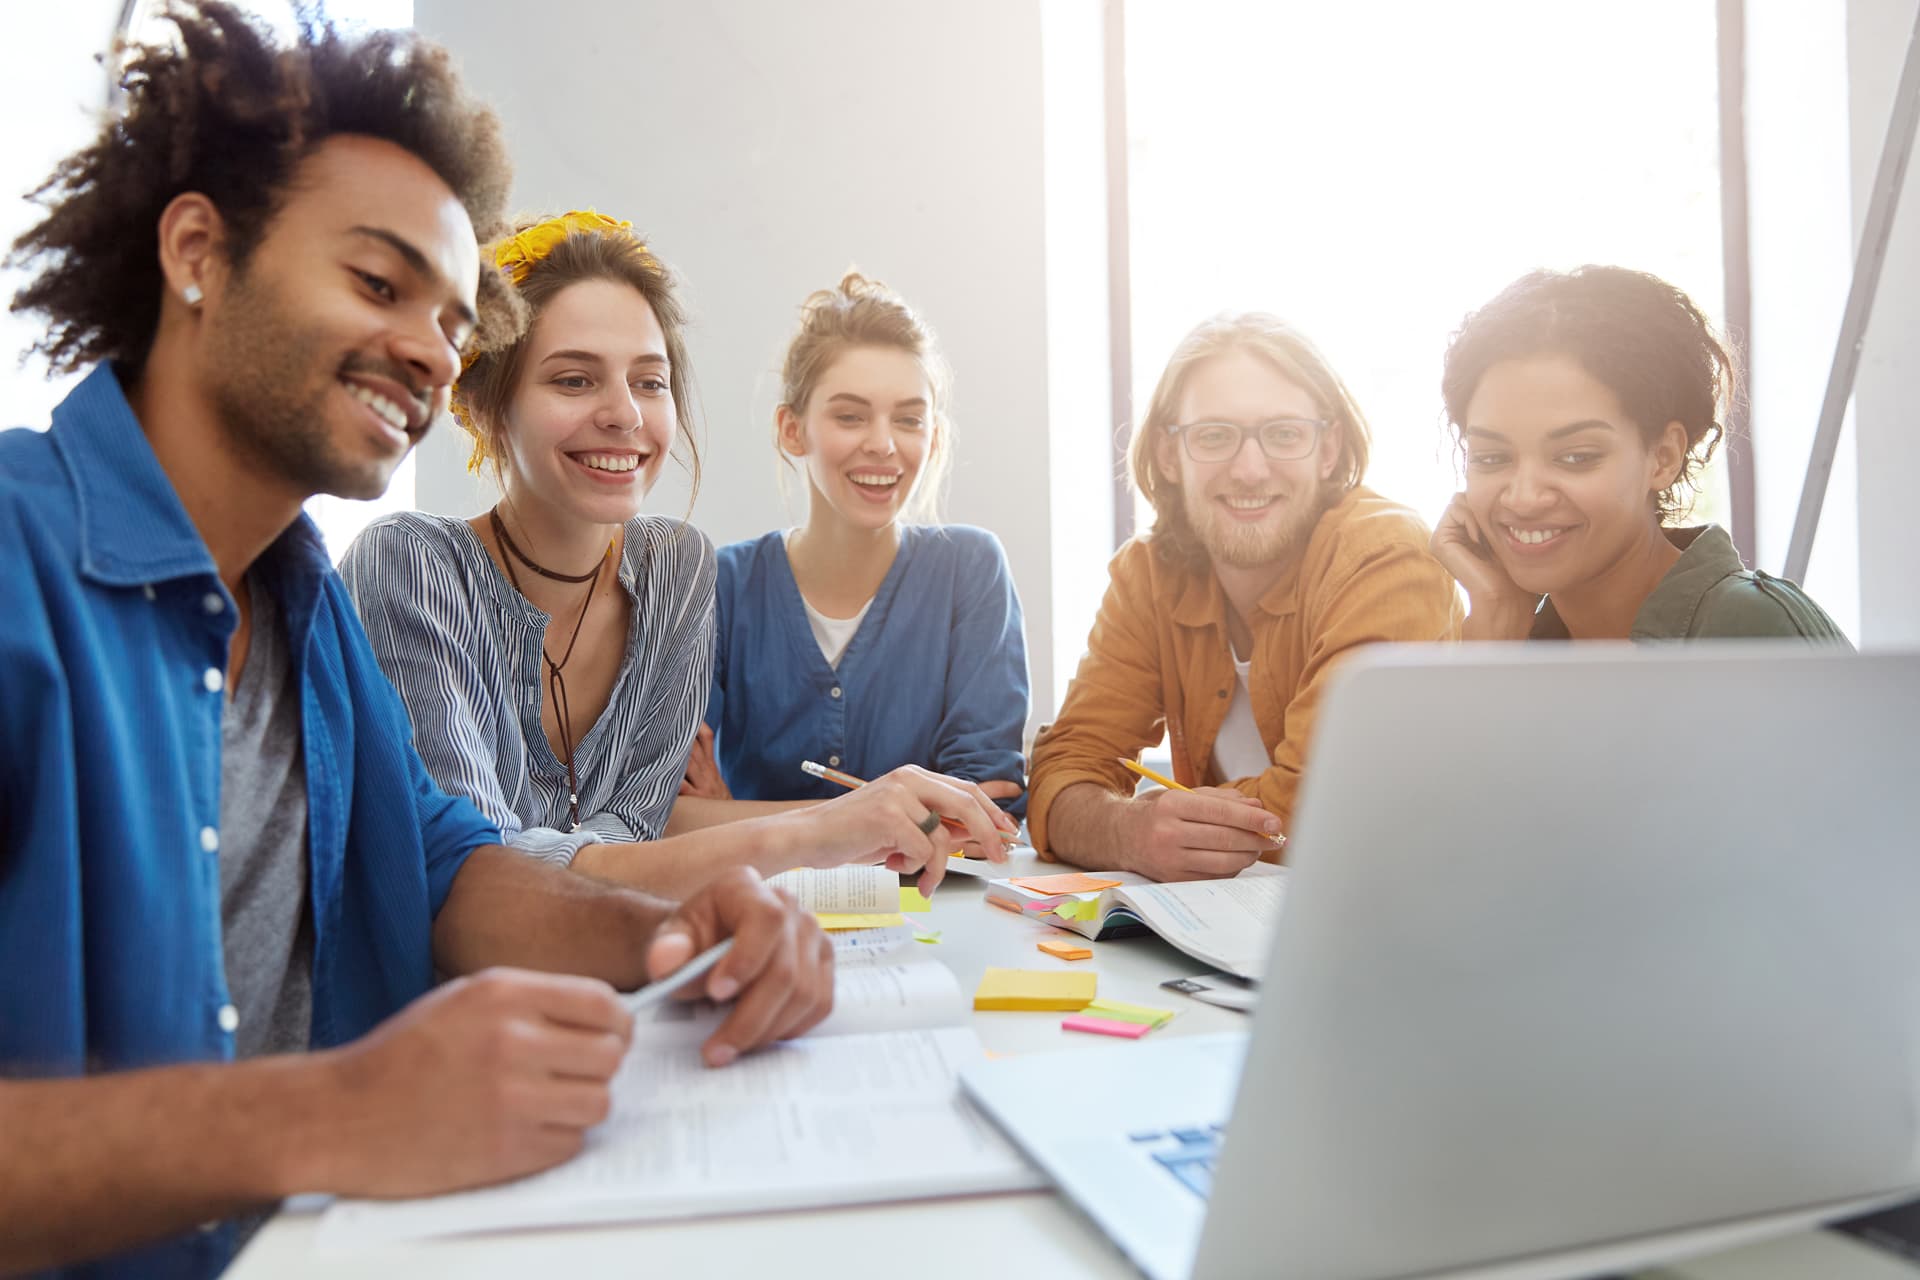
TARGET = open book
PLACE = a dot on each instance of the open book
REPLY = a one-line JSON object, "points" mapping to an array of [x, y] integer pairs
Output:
{"points": [[866, 1107], [1224, 923]]}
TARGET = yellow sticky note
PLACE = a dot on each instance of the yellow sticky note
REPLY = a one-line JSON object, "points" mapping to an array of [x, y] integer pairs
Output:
{"points": [[1066, 950], [831, 920], [911, 899], [1065, 882], [1067, 989], [1077, 910]]}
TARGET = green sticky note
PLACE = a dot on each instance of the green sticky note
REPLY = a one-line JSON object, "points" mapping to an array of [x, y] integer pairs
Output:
{"points": [[1120, 1011], [911, 899], [1077, 910]]}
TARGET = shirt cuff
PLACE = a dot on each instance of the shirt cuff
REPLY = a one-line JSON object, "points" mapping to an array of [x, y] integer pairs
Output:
{"points": [[551, 845]]}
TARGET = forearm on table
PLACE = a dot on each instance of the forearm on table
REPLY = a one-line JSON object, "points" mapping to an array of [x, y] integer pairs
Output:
{"points": [[697, 813], [508, 908], [679, 865], [1083, 827], [102, 1164]]}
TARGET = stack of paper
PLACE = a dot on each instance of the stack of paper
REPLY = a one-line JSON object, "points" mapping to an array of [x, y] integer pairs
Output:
{"points": [[852, 897], [867, 1107]]}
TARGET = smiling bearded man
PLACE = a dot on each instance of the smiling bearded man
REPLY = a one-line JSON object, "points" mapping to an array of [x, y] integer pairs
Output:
{"points": [[1267, 563], [227, 881]]}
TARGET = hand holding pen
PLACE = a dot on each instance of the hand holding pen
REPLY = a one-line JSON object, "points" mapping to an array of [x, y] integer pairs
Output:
{"points": [[900, 815]]}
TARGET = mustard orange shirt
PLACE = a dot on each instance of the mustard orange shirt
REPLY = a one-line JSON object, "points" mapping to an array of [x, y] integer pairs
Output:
{"points": [[1159, 660]]}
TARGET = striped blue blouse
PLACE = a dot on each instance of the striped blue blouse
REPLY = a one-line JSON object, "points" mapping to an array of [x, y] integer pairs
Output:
{"points": [[936, 675], [463, 648]]}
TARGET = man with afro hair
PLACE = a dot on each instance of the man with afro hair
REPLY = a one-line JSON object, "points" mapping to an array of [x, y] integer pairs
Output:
{"points": [[226, 881]]}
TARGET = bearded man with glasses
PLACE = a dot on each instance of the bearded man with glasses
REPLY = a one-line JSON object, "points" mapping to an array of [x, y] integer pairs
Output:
{"points": [[1267, 563]]}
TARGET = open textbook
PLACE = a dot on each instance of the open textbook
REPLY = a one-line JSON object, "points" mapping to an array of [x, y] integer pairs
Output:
{"points": [[864, 1108], [1224, 923]]}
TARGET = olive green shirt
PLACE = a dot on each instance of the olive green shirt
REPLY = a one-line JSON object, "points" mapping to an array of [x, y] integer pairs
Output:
{"points": [[1709, 595]]}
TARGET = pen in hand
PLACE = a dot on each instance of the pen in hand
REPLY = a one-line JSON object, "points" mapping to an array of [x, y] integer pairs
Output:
{"points": [[662, 987]]}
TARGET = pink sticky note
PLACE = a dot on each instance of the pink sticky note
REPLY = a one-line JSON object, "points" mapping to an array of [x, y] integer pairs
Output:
{"points": [[1104, 1026]]}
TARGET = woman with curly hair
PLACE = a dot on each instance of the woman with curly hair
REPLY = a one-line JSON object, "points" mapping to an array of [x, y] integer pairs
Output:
{"points": [[1585, 405], [554, 651]]}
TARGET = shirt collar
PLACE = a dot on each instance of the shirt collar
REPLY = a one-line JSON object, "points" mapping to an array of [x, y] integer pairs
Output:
{"points": [[1706, 556], [133, 529]]}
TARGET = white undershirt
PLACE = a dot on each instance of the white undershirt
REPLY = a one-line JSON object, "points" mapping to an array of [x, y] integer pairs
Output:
{"points": [[1239, 751], [831, 634]]}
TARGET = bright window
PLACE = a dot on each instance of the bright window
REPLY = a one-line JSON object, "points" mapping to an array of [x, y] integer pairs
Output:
{"points": [[1372, 172]]}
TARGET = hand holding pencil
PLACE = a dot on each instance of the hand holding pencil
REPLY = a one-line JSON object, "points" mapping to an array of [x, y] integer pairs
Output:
{"points": [[1183, 833], [897, 819], [1154, 776]]}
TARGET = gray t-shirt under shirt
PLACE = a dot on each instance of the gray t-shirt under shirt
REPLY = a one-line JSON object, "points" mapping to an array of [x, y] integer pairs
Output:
{"points": [[266, 925]]}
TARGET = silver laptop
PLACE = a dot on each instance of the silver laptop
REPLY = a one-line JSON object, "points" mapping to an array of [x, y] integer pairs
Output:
{"points": [[1585, 947]]}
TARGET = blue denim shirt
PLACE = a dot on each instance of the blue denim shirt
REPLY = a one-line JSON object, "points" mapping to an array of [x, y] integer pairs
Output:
{"points": [[113, 644], [936, 674]]}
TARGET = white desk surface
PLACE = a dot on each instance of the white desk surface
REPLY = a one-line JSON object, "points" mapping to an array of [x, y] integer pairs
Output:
{"points": [[1024, 1233]]}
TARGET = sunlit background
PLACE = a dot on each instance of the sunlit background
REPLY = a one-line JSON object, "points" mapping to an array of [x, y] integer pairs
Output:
{"points": [[1369, 171], [1373, 200]]}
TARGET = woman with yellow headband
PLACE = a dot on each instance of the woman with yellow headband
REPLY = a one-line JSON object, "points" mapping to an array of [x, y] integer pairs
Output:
{"points": [[555, 652]]}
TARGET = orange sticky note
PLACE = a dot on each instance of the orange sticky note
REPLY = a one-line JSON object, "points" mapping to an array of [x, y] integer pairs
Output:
{"points": [[1066, 951], [1065, 882]]}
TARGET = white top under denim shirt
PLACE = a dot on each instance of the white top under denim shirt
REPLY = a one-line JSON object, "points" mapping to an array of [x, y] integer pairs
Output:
{"points": [[463, 648]]}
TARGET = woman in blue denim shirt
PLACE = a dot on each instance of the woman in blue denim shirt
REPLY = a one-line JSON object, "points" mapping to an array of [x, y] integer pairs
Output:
{"points": [[862, 639]]}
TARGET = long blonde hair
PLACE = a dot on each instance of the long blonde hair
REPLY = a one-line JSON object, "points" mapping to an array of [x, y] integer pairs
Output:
{"points": [[1295, 358], [859, 312]]}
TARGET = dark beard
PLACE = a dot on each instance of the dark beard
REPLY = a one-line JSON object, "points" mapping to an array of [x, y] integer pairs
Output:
{"points": [[270, 401]]}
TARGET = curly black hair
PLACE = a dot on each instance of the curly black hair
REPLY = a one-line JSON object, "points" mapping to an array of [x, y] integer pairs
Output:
{"points": [[1640, 336], [226, 111]]}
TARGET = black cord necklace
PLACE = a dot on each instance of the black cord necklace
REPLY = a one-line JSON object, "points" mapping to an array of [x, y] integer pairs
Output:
{"points": [[556, 683]]}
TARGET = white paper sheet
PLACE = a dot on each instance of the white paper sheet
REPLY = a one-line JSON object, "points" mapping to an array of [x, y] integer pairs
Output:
{"points": [[819, 1121], [845, 889], [1226, 923]]}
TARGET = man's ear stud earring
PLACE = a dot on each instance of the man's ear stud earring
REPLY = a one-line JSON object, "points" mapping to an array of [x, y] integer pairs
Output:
{"points": [[192, 294]]}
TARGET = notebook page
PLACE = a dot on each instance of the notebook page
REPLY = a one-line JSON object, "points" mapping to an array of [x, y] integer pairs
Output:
{"points": [[811, 1122]]}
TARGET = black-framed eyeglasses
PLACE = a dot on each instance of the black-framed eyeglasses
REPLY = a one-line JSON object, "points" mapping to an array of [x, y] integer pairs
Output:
{"points": [[1282, 439]]}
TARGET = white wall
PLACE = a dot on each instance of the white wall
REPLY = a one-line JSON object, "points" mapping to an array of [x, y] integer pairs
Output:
{"points": [[53, 81], [1802, 258], [1887, 395], [765, 147]]}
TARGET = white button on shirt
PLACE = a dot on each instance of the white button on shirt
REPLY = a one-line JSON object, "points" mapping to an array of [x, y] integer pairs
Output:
{"points": [[835, 691], [229, 1018], [212, 602], [213, 680], [209, 839]]}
